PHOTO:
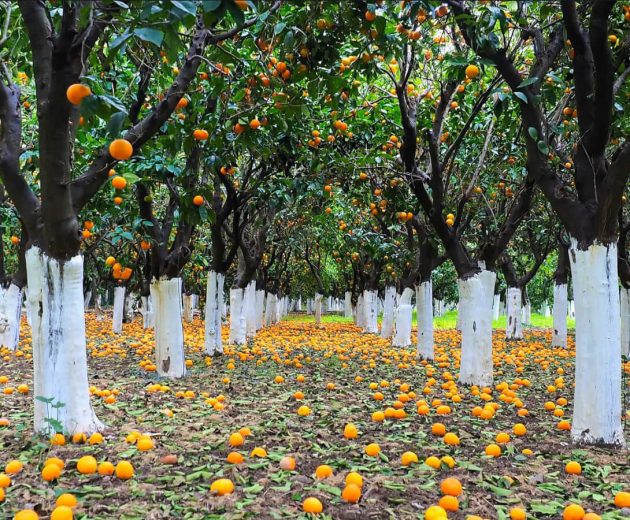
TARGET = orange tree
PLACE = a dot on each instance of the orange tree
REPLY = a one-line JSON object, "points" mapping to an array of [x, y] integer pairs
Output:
{"points": [[64, 45], [579, 165]]}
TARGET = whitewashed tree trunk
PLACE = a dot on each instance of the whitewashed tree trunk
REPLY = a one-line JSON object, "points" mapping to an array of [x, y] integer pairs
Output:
{"points": [[475, 305], [129, 308], [370, 302], [10, 316], [597, 397], [625, 321], [347, 304], [298, 305], [87, 300], [260, 309], [318, 308], [496, 306], [214, 311], [458, 321], [572, 309], [359, 312], [170, 358], [119, 310], [513, 329], [389, 306], [98, 308], [249, 304], [402, 327], [560, 309], [238, 332], [527, 314], [28, 308], [545, 310], [309, 306], [188, 307], [424, 310], [146, 309], [55, 298], [270, 309]]}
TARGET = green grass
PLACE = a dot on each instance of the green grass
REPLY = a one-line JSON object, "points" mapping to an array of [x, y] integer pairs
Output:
{"points": [[447, 321]]}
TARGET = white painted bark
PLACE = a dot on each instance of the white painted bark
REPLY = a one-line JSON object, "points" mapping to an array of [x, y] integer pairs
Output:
{"points": [[389, 305], [298, 305], [347, 304], [249, 304], [270, 309], [260, 309], [625, 321], [560, 309], [513, 329], [238, 332], [402, 327], [359, 314], [438, 308], [597, 397], [87, 299], [527, 314], [28, 308], [496, 306], [128, 311], [170, 358], [475, 306], [10, 315], [146, 310], [545, 310], [318, 308], [458, 321], [424, 311], [98, 308], [214, 310], [572, 309], [188, 307], [55, 298], [370, 302], [119, 309]]}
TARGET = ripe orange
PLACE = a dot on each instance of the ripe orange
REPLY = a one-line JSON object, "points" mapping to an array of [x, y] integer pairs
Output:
{"points": [[451, 439], [408, 458], [124, 470], [435, 513], [51, 472], [87, 465], [438, 429], [372, 450], [145, 443], [351, 493], [120, 149], [573, 468], [119, 183], [13, 467], [67, 499], [516, 513], [519, 429], [287, 463], [236, 439], [106, 468], [323, 471], [573, 512], [5, 481], [198, 200], [622, 499], [354, 478], [451, 486], [62, 513], [449, 503], [502, 438], [312, 505], [493, 450], [26, 514], [303, 411], [472, 71], [350, 431], [200, 135], [222, 486], [254, 124], [76, 92]]}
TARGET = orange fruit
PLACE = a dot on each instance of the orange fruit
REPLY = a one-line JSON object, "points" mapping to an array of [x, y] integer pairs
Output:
{"points": [[254, 124], [76, 92], [438, 429], [519, 429], [234, 457], [573, 512], [573, 468], [106, 468], [5, 481], [119, 183], [622, 499], [145, 443], [354, 478], [67, 499], [13, 467], [408, 458], [502, 438], [435, 513], [472, 71], [351, 493], [259, 452], [124, 470], [120, 149], [493, 450], [87, 465], [198, 200], [51, 472], [449, 503], [350, 431], [287, 463], [451, 439], [516, 513], [372, 450], [200, 135], [26, 514], [62, 513], [303, 411], [222, 486], [236, 439], [312, 505], [451, 486], [54, 460], [323, 471]]}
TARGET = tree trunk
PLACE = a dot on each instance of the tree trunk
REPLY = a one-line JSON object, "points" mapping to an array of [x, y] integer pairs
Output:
{"points": [[10, 316], [625, 321], [270, 309], [359, 314], [370, 302], [424, 310], [560, 311], [389, 305], [250, 309], [513, 329], [214, 310], [496, 307], [147, 312], [87, 299], [597, 398], [188, 307], [119, 309], [128, 308], [318, 308], [238, 331], [404, 312], [55, 297], [260, 309], [170, 358], [347, 304], [475, 306]]}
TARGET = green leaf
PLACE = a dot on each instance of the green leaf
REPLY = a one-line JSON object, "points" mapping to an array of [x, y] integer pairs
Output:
{"points": [[147, 34], [521, 96], [528, 81], [186, 6], [533, 133], [542, 147], [210, 5], [115, 123]]}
